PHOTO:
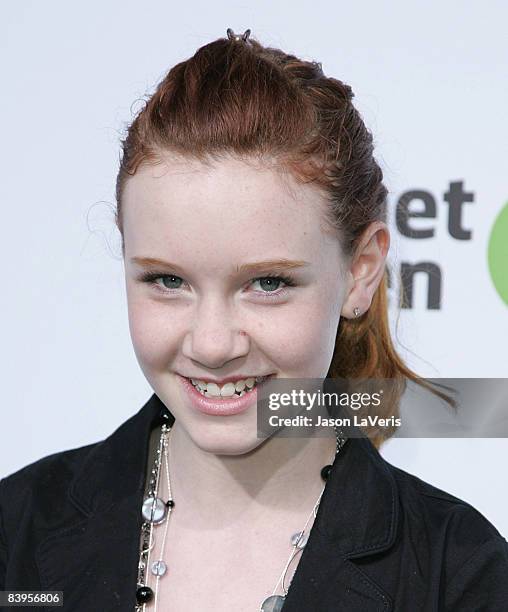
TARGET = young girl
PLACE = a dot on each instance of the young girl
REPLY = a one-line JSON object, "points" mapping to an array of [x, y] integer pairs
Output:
{"points": [[253, 222]]}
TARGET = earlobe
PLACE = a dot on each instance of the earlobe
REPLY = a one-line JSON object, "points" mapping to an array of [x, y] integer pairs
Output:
{"points": [[356, 313], [347, 311]]}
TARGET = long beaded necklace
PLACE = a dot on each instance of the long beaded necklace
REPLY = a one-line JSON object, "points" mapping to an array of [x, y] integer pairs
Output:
{"points": [[155, 512]]}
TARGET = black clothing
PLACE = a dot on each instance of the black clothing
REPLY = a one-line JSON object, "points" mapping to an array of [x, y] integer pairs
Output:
{"points": [[382, 539]]}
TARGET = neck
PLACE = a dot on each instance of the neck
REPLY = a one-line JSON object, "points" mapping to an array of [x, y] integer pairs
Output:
{"points": [[280, 476]]}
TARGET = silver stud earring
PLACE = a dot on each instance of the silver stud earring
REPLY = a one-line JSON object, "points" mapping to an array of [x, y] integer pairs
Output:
{"points": [[356, 311]]}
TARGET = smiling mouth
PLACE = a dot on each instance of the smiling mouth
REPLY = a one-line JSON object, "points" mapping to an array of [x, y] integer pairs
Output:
{"points": [[227, 390]]}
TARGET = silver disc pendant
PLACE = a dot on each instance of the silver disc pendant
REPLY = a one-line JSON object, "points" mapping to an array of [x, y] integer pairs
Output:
{"points": [[154, 510], [159, 568], [273, 603], [298, 539]]}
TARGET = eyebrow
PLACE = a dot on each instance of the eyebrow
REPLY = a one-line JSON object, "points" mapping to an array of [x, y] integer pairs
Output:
{"points": [[278, 265]]}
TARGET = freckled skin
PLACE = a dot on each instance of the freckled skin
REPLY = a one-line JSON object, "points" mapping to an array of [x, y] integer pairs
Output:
{"points": [[208, 220]]}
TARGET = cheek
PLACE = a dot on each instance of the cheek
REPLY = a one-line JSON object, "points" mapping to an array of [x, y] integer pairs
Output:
{"points": [[303, 339], [154, 335]]}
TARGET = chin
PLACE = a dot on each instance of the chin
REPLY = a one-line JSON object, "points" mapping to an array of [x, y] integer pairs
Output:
{"points": [[226, 441]]}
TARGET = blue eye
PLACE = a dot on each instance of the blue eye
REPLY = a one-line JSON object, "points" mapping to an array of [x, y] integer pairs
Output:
{"points": [[171, 278], [271, 283]]}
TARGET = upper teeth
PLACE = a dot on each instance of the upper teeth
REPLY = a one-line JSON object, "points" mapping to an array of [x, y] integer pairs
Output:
{"points": [[229, 388]]}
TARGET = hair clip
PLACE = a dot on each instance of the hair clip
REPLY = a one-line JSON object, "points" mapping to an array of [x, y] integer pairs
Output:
{"points": [[238, 37]]}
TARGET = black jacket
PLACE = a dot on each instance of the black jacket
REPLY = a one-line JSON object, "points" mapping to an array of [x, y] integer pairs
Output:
{"points": [[382, 540]]}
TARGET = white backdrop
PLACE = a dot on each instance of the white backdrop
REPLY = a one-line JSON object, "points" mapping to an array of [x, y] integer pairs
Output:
{"points": [[431, 83]]}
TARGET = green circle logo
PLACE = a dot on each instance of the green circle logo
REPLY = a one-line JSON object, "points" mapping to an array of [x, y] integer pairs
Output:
{"points": [[498, 254]]}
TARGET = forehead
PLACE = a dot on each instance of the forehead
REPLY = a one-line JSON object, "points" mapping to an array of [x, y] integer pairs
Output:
{"points": [[236, 206]]}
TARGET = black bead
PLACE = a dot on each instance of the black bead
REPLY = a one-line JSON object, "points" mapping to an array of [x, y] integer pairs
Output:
{"points": [[144, 594], [163, 417], [325, 472], [170, 503]]}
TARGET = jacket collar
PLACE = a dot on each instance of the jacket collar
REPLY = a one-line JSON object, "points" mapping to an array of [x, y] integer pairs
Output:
{"points": [[115, 468], [112, 472], [357, 516], [359, 510]]}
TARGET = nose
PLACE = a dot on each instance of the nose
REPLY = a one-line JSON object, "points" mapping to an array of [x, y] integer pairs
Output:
{"points": [[214, 337]]}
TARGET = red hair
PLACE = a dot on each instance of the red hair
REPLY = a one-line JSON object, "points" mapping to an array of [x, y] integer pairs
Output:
{"points": [[243, 99]]}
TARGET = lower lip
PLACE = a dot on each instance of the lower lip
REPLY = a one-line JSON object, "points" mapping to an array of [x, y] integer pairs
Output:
{"points": [[220, 406]]}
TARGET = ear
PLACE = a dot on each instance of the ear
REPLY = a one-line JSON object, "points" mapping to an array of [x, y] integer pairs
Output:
{"points": [[366, 269]]}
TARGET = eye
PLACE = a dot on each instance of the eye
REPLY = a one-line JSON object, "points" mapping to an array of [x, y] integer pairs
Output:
{"points": [[271, 282], [170, 282]]}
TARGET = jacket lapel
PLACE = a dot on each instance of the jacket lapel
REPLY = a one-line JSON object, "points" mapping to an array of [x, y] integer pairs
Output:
{"points": [[92, 555], [357, 517]]}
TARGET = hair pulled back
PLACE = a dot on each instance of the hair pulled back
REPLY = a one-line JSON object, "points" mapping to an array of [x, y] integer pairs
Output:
{"points": [[239, 98]]}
